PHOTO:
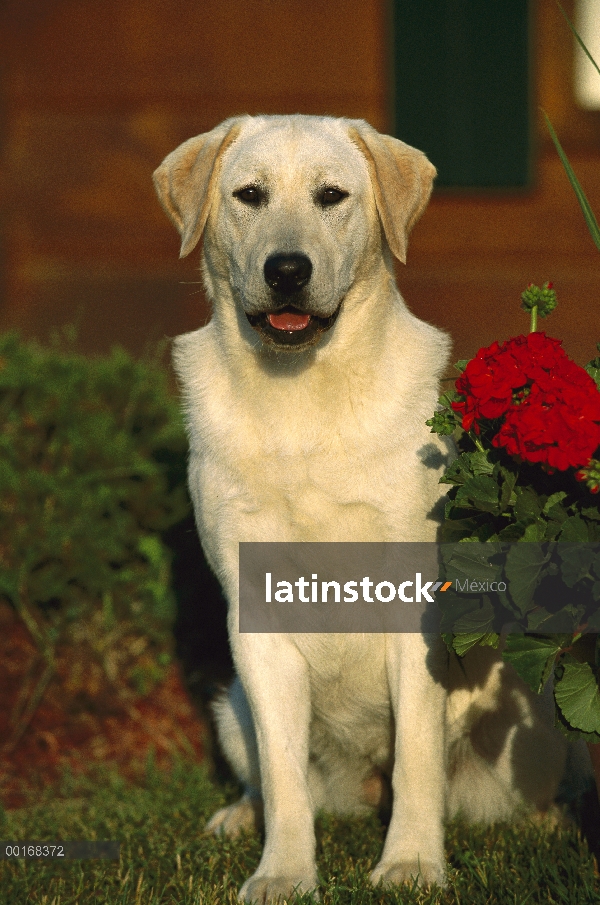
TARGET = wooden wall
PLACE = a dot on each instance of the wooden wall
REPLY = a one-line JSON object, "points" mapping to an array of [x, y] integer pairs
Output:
{"points": [[96, 93], [93, 95], [472, 255]]}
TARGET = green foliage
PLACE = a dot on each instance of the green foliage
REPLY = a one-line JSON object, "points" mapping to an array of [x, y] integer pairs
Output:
{"points": [[92, 471], [524, 569], [552, 589], [578, 696], [533, 656], [495, 499], [584, 204], [593, 368], [445, 421]]}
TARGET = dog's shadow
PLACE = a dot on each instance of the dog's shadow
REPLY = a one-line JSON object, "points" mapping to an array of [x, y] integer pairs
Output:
{"points": [[200, 631]]}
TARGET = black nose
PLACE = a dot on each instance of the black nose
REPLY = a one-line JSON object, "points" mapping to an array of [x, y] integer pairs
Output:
{"points": [[287, 273]]}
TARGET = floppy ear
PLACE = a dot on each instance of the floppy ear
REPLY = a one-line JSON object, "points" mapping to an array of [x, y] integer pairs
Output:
{"points": [[402, 179], [184, 182]]}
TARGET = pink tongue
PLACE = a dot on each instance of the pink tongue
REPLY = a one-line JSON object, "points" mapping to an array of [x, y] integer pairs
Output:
{"points": [[289, 320]]}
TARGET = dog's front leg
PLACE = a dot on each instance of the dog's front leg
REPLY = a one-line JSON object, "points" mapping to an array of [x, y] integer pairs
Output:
{"points": [[414, 846], [276, 682]]}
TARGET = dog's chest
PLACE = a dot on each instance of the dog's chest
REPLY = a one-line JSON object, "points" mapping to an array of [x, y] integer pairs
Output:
{"points": [[349, 691], [298, 457], [307, 474]]}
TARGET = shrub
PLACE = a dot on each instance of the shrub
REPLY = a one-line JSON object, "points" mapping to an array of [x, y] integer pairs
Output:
{"points": [[92, 472]]}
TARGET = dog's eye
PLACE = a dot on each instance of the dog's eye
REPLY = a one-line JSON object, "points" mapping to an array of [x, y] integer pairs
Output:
{"points": [[250, 195], [330, 196]]}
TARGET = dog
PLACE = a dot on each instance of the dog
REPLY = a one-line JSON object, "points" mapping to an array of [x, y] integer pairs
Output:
{"points": [[306, 397]]}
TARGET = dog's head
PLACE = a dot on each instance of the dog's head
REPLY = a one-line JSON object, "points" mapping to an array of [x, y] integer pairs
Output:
{"points": [[291, 208]]}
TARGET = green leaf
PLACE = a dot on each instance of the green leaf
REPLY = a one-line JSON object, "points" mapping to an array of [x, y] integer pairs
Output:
{"points": [[584, 204], [444, 422], [513, 532], [535, 531], [457, 529], [592, 513], [471, 561], [478, 619], [466, 640], [523, 569], [480, 492], [576, 562], [448, 639], [552, 500], [532, 657], [536, 617], [480, 464], [461, 365], [446, 400], [578, 697], [571, 734], [579, 39], [507, 483], [458, 472], [575, 531], [462, 613], [492, 639], [527, 504], [565, 620], [593, 369]]}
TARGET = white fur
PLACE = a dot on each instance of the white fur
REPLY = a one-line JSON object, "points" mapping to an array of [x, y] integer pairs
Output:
{"points": [[330, 444]]}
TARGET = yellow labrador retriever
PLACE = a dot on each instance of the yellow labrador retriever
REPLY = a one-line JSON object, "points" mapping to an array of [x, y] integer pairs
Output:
{"points": [[306, 399]]}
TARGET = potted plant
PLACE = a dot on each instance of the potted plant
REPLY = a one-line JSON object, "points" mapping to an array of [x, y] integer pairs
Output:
{"points": [[526, 421]]}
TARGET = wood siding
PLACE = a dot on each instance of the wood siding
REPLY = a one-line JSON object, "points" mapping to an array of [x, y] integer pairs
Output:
{"points": [[93, 95]]}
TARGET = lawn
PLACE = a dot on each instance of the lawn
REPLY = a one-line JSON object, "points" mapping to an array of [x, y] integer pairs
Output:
{"points": [[165, 859]]}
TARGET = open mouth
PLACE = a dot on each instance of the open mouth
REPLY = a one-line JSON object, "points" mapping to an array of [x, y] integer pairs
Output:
{"points": [[291, 327]]}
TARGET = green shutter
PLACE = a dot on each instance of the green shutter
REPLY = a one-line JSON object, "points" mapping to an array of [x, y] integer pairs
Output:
{"points": [[462, 88]]}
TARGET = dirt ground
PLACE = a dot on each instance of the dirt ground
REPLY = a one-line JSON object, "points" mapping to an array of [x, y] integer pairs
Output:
{"points": [[66, 729]]}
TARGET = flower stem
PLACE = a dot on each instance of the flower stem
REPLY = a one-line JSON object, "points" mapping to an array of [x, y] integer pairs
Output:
{"points": [[534, 311], [477, 442]]}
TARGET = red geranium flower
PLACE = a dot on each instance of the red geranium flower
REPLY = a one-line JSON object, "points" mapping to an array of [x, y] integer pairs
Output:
{"points": [[549, 405]]}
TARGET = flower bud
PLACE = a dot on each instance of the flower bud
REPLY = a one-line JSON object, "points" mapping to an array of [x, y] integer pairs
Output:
{"points": [[543, 299], [591, 475]]}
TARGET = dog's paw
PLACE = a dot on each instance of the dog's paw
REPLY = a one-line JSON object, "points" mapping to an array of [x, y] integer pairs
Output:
{"points": [[394, 873], [245, 814], [265, 890]]}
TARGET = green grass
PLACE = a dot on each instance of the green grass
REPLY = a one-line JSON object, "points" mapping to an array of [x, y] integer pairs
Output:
{"points": [[165, 858]]}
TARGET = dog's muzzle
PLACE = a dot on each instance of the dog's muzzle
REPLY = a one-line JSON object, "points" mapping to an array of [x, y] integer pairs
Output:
{"points": [[287, 274], [289, 324]]}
